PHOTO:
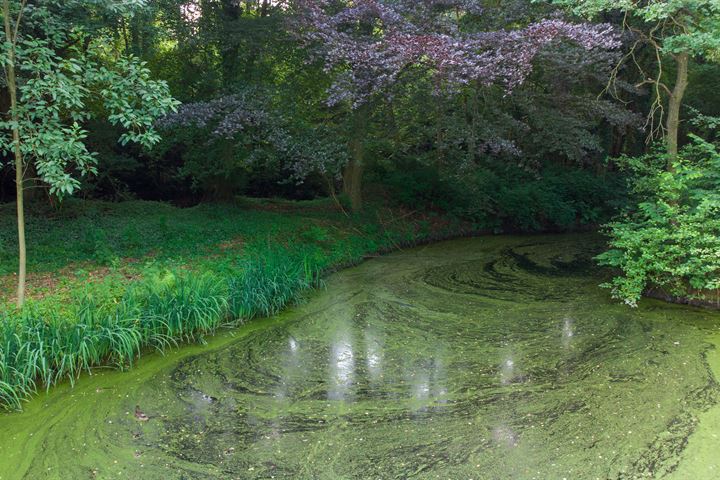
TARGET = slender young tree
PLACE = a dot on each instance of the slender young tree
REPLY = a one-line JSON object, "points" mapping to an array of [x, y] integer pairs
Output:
{"points": [[57, 77], [11, 37], [369, 46]]}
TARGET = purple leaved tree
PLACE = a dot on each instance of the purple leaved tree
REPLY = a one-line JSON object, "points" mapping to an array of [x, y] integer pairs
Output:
{"points": [[369, 45]]}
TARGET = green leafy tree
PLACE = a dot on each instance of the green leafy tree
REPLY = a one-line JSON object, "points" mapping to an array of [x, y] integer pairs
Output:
{"points": [[57, 78]]}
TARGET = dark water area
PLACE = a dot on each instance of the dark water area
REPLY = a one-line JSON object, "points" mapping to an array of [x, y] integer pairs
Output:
{"points": [[487, 358]]}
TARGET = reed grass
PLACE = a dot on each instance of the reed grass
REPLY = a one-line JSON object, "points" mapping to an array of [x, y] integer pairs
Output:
{"points": [[41, 351]]}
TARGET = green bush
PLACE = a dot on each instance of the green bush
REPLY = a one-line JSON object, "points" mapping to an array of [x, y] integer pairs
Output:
{"points": [[415, 185], [671, 237]]}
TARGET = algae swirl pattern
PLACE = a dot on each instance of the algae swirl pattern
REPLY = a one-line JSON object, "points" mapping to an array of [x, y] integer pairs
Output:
{"points": [[491, 358]]}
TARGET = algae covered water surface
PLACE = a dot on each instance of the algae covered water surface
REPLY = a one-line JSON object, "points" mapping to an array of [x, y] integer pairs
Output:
{"points": [[489, 358]]}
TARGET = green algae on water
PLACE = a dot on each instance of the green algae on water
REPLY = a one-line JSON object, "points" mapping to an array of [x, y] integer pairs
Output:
{"points": [[489, 358]]}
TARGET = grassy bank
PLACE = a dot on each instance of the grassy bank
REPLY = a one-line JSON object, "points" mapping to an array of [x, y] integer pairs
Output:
{"points": [[109, 281]]}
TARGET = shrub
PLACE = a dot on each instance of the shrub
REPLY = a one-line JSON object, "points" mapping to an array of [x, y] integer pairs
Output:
{"points": [[671, 237]]}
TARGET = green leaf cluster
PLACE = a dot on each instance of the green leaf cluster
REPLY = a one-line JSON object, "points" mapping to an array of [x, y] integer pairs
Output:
{"points": [[671, 240], [65, 78]]}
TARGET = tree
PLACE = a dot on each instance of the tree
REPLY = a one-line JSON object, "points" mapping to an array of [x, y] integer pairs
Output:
{"points": [[370, 45], [678, 29], [666, 242], [58, 77]]}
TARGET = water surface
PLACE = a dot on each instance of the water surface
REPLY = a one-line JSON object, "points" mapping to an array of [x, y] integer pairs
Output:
{"points": [[490, 358]]}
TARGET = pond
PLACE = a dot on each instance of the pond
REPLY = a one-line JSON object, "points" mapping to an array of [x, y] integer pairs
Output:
{"points": [[487, 358]]}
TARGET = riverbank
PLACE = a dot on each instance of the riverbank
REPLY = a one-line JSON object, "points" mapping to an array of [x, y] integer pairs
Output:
{"points": [[110, 281], [695, 298]]}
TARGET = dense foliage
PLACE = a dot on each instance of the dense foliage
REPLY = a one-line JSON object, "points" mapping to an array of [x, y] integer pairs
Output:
{"points": [[65, 75], [671, 237]]}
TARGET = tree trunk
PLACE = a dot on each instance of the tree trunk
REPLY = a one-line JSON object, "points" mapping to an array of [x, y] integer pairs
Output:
{"points": [[22, 249], [674, 105], [352, 182], [352, 176], [228, 45], [10, 37]]}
